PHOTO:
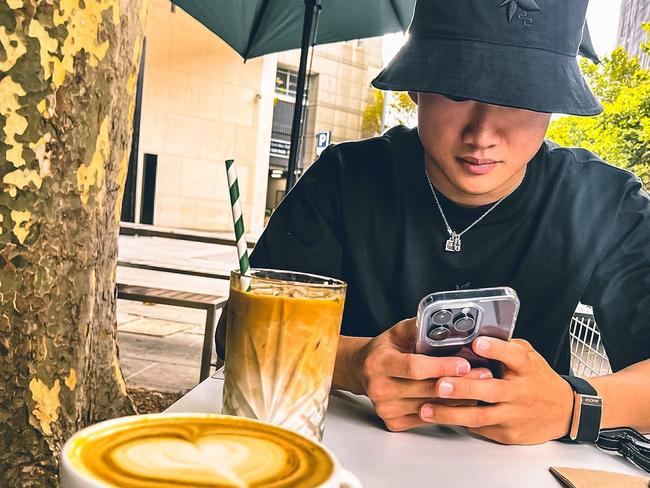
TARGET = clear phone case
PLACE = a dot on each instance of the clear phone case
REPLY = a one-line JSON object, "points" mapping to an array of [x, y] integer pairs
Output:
{"points": [[448, 322]]}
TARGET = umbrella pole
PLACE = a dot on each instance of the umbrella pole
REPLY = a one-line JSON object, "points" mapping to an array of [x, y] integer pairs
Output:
{"points": [[311, 11]]}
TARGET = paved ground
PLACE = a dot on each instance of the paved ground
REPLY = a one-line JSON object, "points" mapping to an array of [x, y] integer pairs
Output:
{"points": [[160, 346]]}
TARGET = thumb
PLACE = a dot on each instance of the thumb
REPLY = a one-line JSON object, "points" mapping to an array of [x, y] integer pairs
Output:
{"points": [[403, 335]]}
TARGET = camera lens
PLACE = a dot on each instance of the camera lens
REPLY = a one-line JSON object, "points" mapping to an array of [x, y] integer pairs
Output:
{"points": [[441, 317], [464, 323], [439, 333]]}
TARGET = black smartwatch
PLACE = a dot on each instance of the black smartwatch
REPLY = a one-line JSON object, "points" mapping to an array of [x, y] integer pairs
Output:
{"points": [[587, 410]]}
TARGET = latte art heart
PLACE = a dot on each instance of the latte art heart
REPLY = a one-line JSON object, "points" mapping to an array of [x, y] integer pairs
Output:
{"points": [[201, 451], [236, 461]]}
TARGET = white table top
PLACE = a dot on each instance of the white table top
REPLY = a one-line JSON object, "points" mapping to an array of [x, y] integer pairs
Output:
{"points": [[431, 456]]}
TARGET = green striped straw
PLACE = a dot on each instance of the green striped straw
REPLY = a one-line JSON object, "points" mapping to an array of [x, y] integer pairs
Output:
{"points": [[238, 220]]}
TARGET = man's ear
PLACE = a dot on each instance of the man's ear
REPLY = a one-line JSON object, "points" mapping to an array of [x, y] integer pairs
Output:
{"points": [[414, 97]]}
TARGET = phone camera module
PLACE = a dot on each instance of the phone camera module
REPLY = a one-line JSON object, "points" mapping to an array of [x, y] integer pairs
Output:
{"points": [[439, 333], [441, 317], [464, 323]]}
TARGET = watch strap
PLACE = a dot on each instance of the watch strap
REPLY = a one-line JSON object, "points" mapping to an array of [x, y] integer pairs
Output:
{"points": [[627, 442], [587, 410]]}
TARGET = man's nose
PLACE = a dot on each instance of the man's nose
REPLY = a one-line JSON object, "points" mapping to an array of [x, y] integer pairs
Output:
{"points": [[482, 128]]}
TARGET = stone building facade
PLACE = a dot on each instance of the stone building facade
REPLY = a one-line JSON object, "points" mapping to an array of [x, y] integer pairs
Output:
{"points": [[201, 105]]}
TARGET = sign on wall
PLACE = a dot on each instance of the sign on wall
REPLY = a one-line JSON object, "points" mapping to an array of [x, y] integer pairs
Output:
{"points": [[322, 141], [280, 148]]}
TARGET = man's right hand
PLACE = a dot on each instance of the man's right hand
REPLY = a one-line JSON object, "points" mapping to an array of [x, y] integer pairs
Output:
{"points": [[397, 381]]}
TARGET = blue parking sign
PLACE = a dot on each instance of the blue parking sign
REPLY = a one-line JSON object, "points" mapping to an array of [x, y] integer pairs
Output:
{"points": [[322, 141]]}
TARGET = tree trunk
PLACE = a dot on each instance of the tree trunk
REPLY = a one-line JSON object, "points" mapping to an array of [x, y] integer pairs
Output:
{"points": [[68, 71]]}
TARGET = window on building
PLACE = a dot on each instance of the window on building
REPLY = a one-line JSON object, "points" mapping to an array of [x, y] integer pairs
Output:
{"points": [[281, 133], [286, 82]]}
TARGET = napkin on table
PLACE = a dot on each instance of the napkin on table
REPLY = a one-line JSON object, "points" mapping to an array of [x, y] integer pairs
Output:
{"points": [[590, 478]]}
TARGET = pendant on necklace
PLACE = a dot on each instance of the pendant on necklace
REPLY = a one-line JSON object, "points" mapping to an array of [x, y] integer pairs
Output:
{"points": [[453, 243]]}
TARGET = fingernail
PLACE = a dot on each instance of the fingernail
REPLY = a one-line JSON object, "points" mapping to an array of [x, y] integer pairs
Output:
{"points": [[445, 388], [462, 368], [426, 412], [482, 344], [485, 376]]}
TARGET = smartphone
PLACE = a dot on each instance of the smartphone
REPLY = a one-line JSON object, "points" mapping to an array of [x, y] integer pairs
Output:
{"points": [[448, 322]]}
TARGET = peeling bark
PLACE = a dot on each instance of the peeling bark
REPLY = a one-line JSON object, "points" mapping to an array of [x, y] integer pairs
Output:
{"points": [[67, 77]]}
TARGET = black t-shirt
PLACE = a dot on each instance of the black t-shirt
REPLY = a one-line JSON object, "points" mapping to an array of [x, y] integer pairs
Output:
{"points": [[576, 229]]}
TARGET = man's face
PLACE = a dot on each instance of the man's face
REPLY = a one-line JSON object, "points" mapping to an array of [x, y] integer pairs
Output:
{"points": [[477, 153]]}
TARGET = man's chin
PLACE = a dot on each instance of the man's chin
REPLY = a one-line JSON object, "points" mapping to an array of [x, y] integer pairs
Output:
{"points": [[475, 195]]}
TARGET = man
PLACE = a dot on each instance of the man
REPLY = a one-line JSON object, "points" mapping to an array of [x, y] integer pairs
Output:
{"points": [[558, 225]]}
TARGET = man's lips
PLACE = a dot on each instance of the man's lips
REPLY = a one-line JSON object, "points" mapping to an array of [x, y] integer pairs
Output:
{"points": [[479, 161], [476, 166]]}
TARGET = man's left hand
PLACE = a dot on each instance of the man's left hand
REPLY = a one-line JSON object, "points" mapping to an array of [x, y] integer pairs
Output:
{"points": [[529, 404]]}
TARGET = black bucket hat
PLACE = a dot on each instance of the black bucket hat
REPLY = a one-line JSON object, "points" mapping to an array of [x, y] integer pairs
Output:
{"points": [[516, 53]]}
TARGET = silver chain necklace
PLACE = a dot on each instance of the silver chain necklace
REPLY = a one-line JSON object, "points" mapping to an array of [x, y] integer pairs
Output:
{"points": [[453, 244]]}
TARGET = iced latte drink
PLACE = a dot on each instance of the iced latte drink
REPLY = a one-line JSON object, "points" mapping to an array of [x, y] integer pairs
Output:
{"points": [[282, 335]]}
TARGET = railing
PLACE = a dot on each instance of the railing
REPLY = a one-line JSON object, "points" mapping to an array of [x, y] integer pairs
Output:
{"points": [[588, 356]]}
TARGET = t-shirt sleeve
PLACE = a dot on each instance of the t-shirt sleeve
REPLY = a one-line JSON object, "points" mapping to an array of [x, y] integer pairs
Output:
{"points": [[619, 289], [304, 232]]}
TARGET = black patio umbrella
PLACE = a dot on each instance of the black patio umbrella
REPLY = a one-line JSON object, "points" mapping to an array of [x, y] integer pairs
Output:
{"points": [[257, 27]]}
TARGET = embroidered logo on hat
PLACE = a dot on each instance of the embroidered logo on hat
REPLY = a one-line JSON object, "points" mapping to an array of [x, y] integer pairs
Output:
{"points": [[525, 5]]}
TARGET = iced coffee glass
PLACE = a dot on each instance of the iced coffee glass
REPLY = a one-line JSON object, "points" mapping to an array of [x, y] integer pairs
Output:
{"points": [[282, 334]]}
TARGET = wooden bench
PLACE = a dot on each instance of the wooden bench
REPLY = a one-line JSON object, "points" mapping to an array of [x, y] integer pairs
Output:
{"points": [[209, 303], [145, 230], [146, 265]]}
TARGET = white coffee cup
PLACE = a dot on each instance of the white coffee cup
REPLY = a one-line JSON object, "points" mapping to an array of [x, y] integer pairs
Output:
{"points": [[170, 455]]}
